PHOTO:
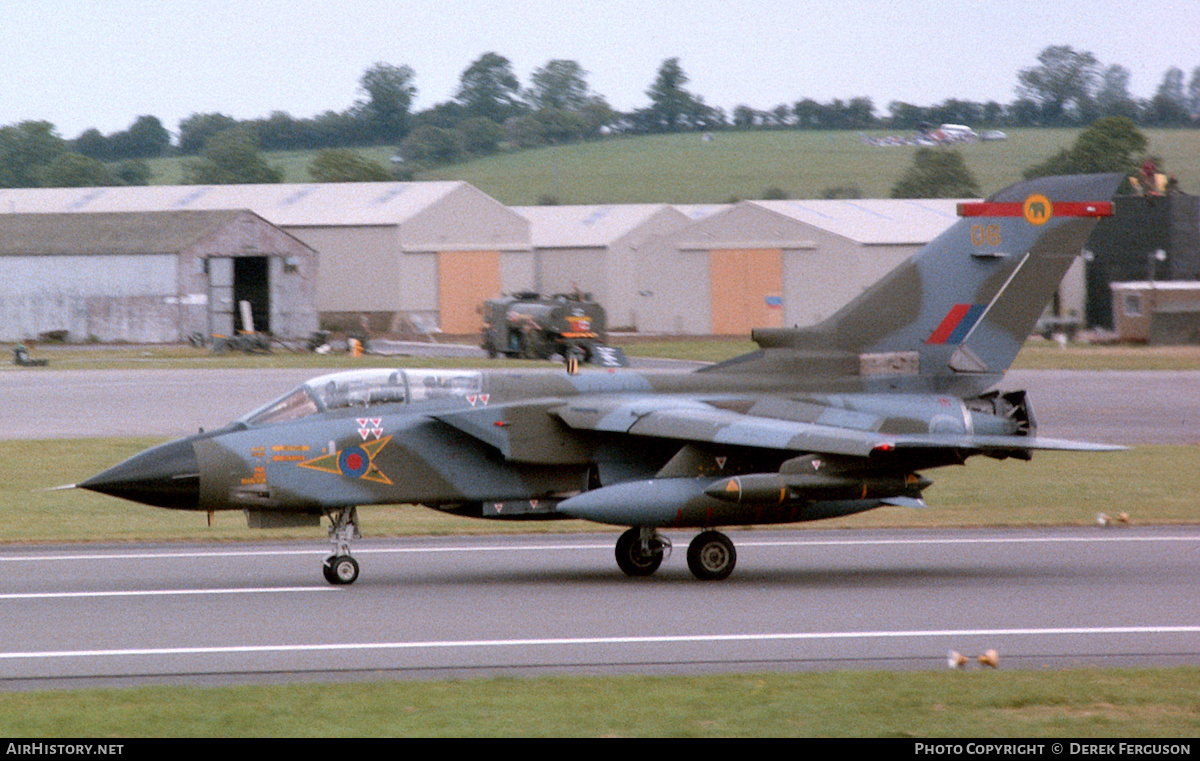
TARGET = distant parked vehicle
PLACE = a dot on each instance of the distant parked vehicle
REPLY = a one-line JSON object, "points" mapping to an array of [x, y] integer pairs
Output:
{"points": [[531, 326]]}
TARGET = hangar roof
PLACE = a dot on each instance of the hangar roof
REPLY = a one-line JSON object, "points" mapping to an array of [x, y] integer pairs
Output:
{"points": [[294, 205], [872, 221], [588, 226], [699, 211], [118, 233]]}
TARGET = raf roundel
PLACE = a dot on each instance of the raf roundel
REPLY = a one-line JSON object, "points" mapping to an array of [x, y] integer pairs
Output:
{"points": [[354, 462]]}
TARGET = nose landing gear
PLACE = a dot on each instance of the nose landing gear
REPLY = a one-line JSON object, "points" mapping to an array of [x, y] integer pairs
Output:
{"points": [[340, 568]]}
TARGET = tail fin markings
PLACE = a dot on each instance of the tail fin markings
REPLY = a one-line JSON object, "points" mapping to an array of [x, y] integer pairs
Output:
{"points": [[967, 300]]}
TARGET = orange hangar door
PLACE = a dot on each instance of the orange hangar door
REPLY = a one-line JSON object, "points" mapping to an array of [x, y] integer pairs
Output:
{"points": [[465, 280], [747, 289]]}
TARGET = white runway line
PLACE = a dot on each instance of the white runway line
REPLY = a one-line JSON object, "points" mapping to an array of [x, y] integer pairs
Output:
{"points": [[164, 592], [576, 641], [606, 546]]}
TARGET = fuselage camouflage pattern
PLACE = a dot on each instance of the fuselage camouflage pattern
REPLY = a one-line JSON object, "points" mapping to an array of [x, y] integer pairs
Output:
{"points": [[819, 422]]}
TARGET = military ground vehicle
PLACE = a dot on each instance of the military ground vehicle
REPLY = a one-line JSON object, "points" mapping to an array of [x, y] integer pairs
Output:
{"points": [[529, 325]]}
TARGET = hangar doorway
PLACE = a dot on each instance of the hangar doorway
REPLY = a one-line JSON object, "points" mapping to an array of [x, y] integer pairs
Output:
{"points": [[746, 289], [252, 283], [465, 280], [232, 280]]}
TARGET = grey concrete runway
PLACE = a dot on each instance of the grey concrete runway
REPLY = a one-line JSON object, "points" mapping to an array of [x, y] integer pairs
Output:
{"points": [[528, 604], [47, 403], [457, 607], [1141, 407]]}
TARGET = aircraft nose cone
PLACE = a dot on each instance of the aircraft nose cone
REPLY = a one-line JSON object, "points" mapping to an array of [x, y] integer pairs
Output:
{"points": [[165, 476]]}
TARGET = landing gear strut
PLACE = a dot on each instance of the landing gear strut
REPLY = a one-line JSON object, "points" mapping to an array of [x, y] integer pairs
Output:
{"points": [[640, 551], [340, 567]]}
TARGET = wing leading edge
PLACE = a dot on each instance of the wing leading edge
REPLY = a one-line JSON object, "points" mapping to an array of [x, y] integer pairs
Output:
{"points": [[696, 421]]}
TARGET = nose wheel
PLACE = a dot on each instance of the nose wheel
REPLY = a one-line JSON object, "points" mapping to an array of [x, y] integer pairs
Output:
{"points": [[340, 568]]}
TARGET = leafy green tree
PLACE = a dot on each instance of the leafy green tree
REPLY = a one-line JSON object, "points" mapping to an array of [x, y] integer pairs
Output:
{"points": [[859, 113], [672, 108], [1024, 113], [427, 146], [280, 131], [1111, 144], [196, 130], [559, 125], [954, 111], [559, 85], [25, 150], [808, 113], [1168, 107], [745, 116], [1193, 94], [936, 173], [74, 170], [337, 128], [524, 131], [390, 93], [446, 115], [344, 165], [904, 115], [480, 136], [1113, 98], [230, 158], [597, 115], [91, 143], [1062, 78], [780, 116], [489, 88], [134, 172], [145, 138]]}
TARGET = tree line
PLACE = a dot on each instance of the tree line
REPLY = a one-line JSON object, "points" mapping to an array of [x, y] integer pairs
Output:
{"points": [[492, 111]]}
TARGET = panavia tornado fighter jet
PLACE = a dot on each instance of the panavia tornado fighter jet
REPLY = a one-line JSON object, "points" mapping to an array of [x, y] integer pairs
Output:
{"points": [[820, 422]]}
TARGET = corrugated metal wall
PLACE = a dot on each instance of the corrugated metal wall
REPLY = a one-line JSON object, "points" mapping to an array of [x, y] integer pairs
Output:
{"points": [[107, 298]]}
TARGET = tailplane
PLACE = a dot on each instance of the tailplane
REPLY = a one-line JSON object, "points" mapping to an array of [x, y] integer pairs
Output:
{"points": [[965, 303]]}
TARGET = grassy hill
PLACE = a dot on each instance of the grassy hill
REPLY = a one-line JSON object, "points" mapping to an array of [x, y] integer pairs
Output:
{"points": [[732, 165]]}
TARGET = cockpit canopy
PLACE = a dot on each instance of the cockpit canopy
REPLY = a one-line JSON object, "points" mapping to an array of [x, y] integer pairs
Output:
{"points": [[363, 389]]}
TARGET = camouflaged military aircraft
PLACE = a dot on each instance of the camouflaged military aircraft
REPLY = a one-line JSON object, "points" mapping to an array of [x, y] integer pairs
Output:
{"points": [[819, 422]]}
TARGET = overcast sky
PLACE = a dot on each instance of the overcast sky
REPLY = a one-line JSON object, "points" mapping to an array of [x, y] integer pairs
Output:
{"points": [[102, 63]]}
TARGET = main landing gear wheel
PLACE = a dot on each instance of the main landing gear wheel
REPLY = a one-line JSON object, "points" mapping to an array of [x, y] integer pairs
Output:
{"points": [[340, 568], [711, 556], [640, 551]]}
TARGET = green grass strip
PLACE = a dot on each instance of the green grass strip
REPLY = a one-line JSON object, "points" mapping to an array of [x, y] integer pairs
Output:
{"points": [[1153, 484], [1078, 703]]}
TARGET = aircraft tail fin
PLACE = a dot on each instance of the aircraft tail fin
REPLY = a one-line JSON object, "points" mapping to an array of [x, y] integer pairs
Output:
{"points": [[965, 303]]}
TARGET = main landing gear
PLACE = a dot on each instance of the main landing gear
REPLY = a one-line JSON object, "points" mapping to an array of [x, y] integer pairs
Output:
{"points": [[641, 550], [340, 568]]}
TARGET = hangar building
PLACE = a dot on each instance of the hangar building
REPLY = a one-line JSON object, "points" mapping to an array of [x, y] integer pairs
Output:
{"points": [[429, 251], [427, 254], [151, 276], [780, 263], [601, 250]]}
